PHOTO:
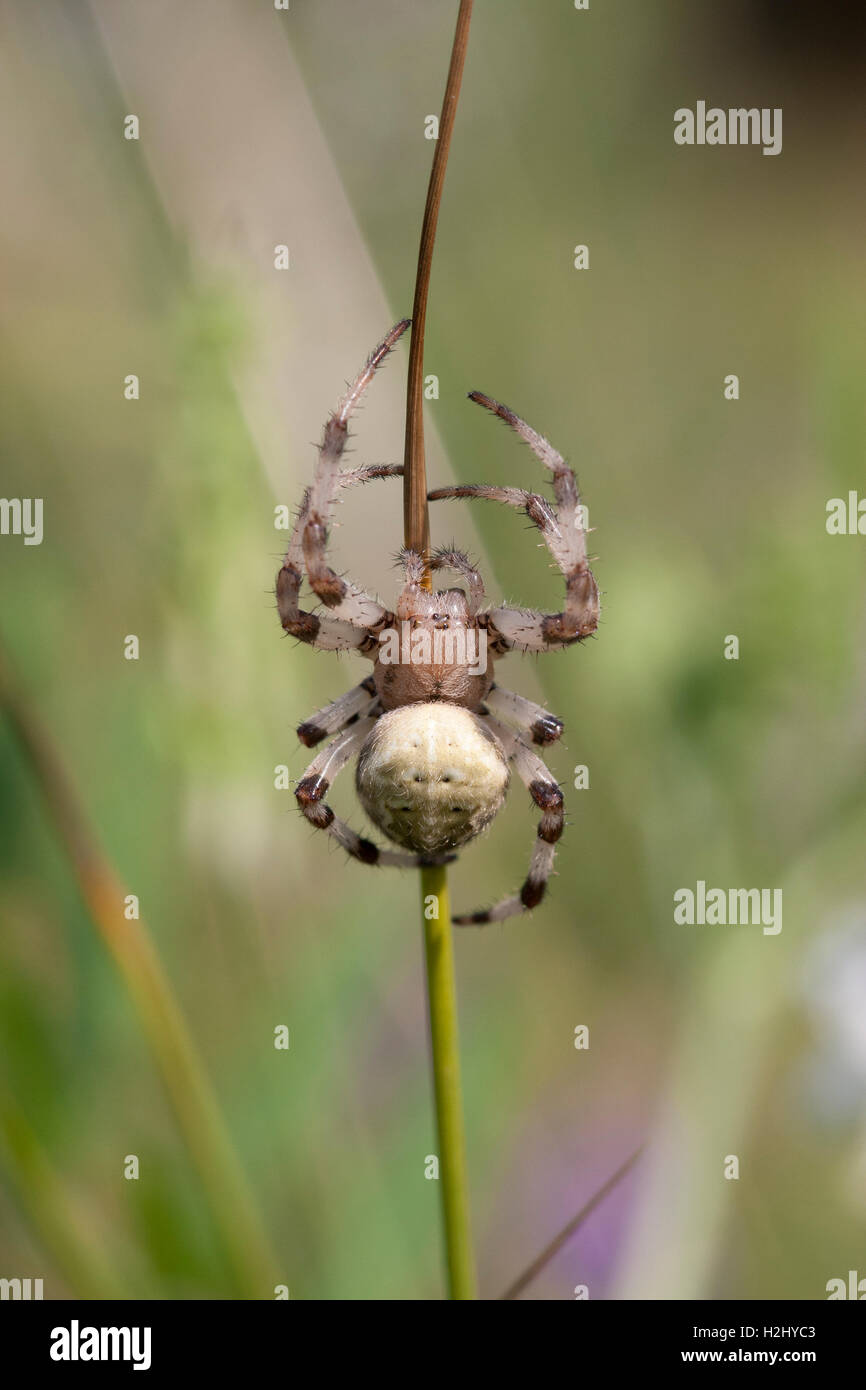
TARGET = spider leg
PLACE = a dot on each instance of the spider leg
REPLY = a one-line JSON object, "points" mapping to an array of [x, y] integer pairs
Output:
{"points": [[351, 606], [413, 598], [414, 568], [456, 560], [564, 535], [546, 794], [350, 477], [327, 634], [344, 598], [542, 726], [316, 781], [340, 595], [331, 719]]}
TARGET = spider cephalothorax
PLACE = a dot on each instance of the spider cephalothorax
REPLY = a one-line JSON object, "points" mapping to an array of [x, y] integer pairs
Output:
{"points": [[433, 734]]}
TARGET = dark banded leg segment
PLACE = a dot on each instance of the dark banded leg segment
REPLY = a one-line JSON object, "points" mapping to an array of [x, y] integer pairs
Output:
{"points": [[338, 715], [532, 720], [346, 599], [317, 629], [545, 792], [353, 610], [313, 787], [564, 534]]}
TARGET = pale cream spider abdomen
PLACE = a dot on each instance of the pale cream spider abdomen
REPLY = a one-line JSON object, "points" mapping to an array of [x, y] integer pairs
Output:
{"points": [[431, 777]]}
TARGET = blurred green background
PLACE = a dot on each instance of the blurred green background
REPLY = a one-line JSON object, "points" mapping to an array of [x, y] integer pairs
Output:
{"points": [[156, 258]]}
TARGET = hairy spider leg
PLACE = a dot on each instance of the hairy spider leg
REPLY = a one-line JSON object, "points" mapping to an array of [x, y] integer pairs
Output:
{"points": [[346, 710], [353, 613], [541, 726], [527, 630], [546, 794]]}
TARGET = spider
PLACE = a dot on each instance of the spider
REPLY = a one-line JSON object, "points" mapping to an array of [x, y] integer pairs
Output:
{"points": [[434, 735]]}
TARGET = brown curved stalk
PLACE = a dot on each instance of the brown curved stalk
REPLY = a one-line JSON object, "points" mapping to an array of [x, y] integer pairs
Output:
{"points": [[416, 521]]}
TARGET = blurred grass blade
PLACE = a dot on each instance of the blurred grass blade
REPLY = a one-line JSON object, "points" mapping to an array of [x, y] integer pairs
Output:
{"points": [[549, 1251], [51, 1208], [130, 945]]}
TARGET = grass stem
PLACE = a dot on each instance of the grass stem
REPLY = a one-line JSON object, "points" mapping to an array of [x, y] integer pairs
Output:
{"points": [[442, 995], [133, 951], [439, 946]]}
